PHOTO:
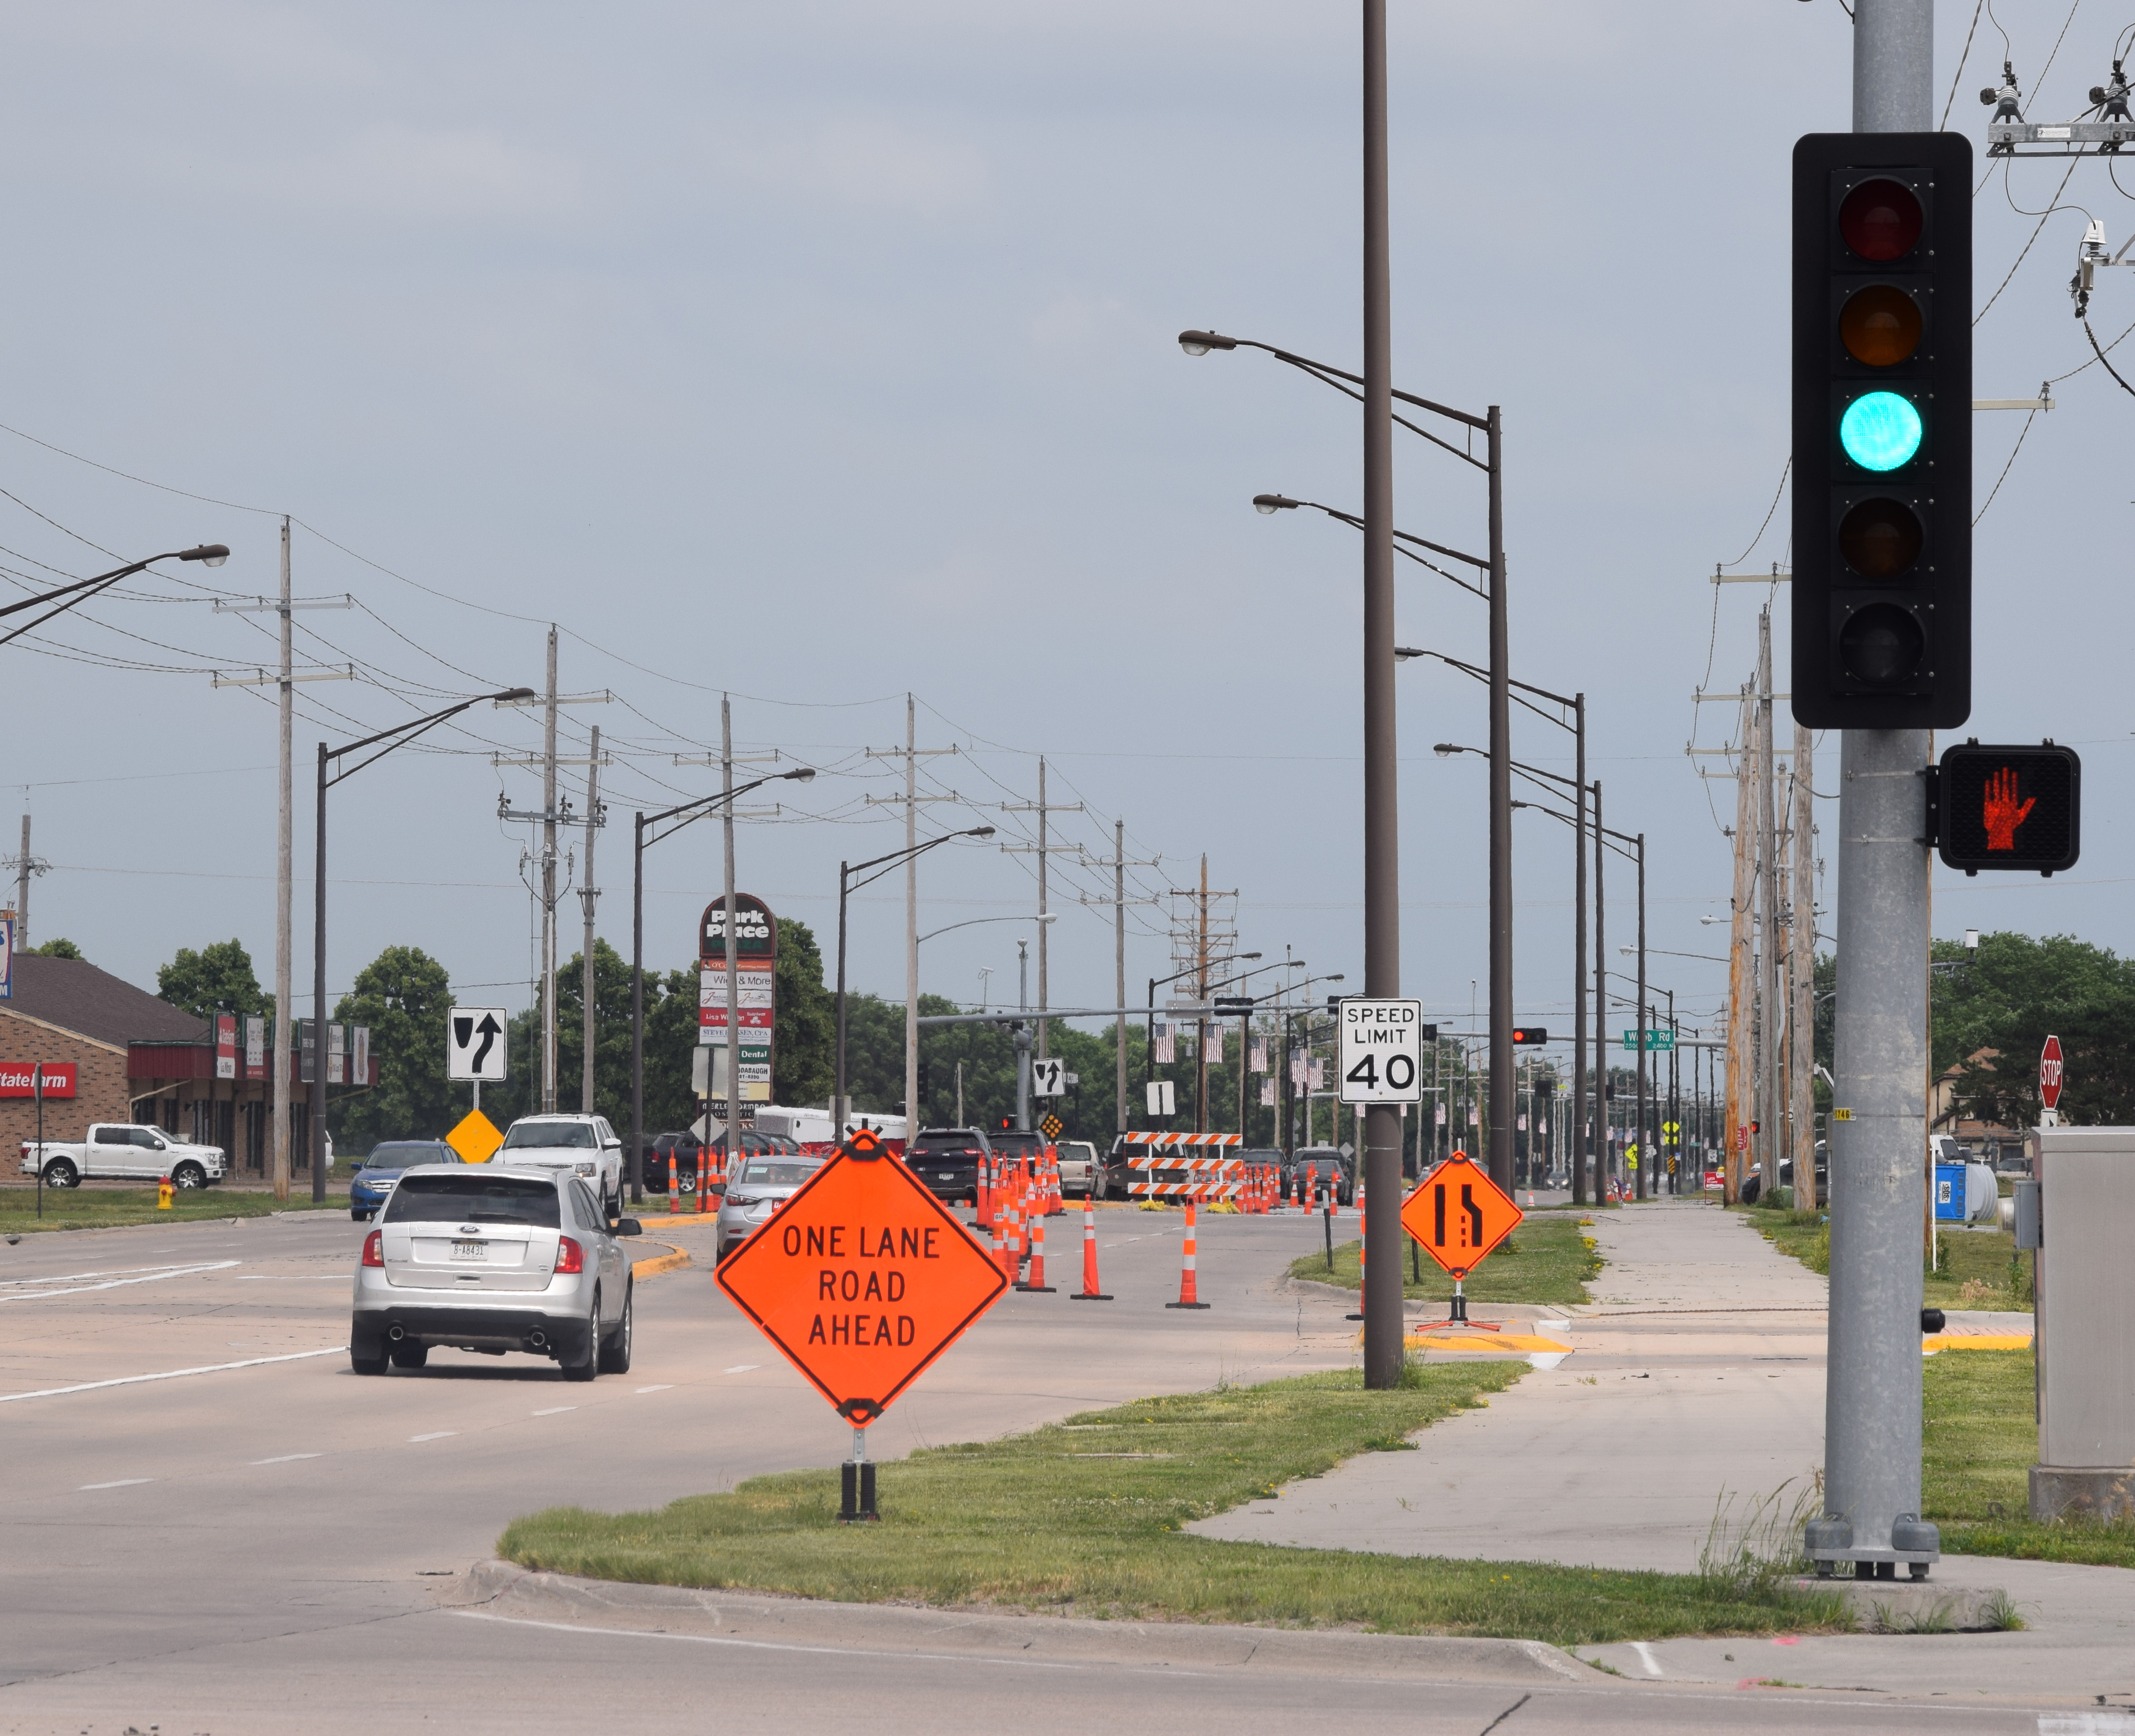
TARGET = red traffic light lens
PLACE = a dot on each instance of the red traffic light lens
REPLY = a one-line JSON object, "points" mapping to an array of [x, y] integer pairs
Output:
{"points": [[1881, 326], [1880, 221], [1881, 645], [1880, 538]]}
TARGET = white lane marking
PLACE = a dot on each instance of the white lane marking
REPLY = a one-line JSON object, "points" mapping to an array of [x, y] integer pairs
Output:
{"points": [[291, 1277], [555, 1411], [124, 1482], [441, 1434], [290, 1458], [1646, 1657], [742, 1368], [25, 1289], [173, 1374], [2085, 1724], [669, 1387]]}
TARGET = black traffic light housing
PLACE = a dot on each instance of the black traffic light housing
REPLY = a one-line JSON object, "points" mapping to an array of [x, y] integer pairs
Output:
{"points": [[2006, 807], [1530, 1033], [1882, 430]]}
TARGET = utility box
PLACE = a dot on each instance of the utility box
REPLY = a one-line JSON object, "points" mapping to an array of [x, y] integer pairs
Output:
{"points": [[2085, 1322], [1949, 1201]]}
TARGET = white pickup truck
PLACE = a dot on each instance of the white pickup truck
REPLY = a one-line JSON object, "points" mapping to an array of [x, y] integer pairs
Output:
{"points": [[116, 1148]]}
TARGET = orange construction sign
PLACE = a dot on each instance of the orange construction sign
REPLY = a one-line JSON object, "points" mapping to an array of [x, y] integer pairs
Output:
{"points": [[1460, 1214], [861, 1278]]}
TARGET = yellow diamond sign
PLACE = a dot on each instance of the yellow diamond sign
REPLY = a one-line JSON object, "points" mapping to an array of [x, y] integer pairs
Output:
{"points": [[475, 1139]]}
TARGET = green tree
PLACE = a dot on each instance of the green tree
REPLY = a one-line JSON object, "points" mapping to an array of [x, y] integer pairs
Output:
{"points": [[1991, 1013], [404, 996], [804, 1021], [59, 948], [217, 978]]}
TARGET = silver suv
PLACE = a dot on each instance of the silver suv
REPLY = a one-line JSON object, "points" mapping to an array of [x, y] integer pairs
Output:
{"points": [[493, 1258], [584, 1145], [764, 1184]]}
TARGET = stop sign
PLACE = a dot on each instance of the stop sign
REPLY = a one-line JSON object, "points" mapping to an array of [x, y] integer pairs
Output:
{"points": [[2049, 1073]]}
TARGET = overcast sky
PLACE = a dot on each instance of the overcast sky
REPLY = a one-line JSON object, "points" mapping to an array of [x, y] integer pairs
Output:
{"points": [[822, 353]]}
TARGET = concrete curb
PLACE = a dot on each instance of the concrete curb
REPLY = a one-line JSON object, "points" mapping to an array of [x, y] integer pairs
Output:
{"points": [[1910, 1606], [673, 1260], [503, 1591]]}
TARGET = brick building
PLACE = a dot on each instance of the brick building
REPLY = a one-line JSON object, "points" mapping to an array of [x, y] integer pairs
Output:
{"points": [[133, 1057]]}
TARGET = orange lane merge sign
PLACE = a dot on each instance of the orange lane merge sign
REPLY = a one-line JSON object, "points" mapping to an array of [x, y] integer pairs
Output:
{"points": [[1460, 1214], [861, 1278]]}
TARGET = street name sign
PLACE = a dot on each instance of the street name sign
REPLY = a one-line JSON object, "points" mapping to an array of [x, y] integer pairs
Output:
{"points": [[1459, 1214], [475, 1044], [1380, 1058], [2051, 1074], [475, 1139], [861, 1278], [1657, 1042], [1048, 1078]]}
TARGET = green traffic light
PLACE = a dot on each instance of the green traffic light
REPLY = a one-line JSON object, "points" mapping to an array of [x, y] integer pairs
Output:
{"points": [[1881, 431]]}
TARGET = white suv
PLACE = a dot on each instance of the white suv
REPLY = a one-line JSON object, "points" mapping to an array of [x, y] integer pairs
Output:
{"points": [[582, 1145]]}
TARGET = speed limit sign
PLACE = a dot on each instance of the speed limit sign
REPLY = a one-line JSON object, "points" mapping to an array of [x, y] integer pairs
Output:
{"points": [[1381, 1055]]}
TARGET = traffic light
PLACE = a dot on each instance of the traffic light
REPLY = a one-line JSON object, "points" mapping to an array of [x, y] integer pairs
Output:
{"points": [[1882, 430], [1530, 1033], [2008, 807]]}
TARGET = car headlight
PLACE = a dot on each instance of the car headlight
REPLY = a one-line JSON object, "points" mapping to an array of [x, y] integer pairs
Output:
{"points": [[584, 1168]]}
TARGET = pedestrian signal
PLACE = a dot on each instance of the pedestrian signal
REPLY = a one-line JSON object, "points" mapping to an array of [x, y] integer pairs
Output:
{"points": [[2008, 807]]}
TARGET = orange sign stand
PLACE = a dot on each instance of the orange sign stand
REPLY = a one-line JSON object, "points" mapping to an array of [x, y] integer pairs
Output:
{"points": [[861, 1280], [1459, 1214]]}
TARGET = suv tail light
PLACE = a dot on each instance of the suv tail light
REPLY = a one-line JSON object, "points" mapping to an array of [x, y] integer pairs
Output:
{"points": [[570, 1257], [374, 1248]]}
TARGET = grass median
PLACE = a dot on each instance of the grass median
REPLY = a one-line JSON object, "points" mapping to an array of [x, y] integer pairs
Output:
{"points": [[1084, 1518], [1548, 1260], [92, 1206], [1976, 1269], [1979, 1439]]}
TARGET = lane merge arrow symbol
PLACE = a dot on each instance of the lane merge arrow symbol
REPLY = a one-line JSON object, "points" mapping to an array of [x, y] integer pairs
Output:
{"points": [[490, 1031], [472, 1051]]}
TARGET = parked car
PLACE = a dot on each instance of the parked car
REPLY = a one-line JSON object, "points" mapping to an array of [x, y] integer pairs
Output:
{"points": [[1316, 1167], [494, 1257], [124, 1150], [372, 1184], [946, 1159], [765, 1183], [1079, 1168], [660, 1151], [584, 1145]]}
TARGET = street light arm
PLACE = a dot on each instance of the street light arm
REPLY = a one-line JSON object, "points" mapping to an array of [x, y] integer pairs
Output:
{"points": [[1198, 343], [1445, 749], [1402, 652], [705, 804], [973, 921], [81, 590], [405, 734], [886, 863]]}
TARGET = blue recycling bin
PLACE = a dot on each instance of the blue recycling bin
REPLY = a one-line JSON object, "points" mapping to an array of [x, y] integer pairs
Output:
{"points": [[1949, 1193]]}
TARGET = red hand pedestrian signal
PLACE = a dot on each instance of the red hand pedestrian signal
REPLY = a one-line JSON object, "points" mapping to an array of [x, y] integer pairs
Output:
{"points": [[2000, 814]]}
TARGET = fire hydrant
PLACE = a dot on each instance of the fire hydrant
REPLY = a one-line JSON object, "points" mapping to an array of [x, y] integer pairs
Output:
{"points": [[164, 1194]]}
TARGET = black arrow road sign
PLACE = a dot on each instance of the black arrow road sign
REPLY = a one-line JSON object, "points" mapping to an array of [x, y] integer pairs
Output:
{"points": [[474, 1051]]}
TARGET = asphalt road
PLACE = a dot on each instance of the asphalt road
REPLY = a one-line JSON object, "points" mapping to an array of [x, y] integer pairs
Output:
{"points": [[279, 1545]]}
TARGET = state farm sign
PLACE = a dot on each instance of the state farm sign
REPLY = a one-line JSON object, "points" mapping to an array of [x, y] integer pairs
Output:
{"points": [[18, 1078]]}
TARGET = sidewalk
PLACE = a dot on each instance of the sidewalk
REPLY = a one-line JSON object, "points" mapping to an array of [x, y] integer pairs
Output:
{"points": [[1698, 1372]]}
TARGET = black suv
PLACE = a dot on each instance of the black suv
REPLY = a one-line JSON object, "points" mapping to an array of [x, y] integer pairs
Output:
{"points": [[946, 1159], [1010, 1148], [1319, 1166]]}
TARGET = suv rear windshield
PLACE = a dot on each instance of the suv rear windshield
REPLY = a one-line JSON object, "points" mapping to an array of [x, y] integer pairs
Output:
{"points": [[474, 1198], [774, 1172], [944, 1145], [399, 1157], [534, 1134]]}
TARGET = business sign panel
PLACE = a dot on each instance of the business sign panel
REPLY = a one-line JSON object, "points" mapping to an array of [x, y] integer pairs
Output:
{"points": [[755, 964]]}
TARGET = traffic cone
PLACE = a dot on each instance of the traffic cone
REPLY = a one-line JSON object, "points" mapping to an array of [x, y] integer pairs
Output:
{"points": [[163, 1194], [985, 1185], [708, 1170], [1089, 1292], [1027, 1205], [1186, 1292], [1036, 1282], [1000, 1241]]}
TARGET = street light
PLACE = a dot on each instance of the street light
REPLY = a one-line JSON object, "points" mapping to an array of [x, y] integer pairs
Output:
{"points": [[399, 736], [846, 885], [208, 554], [682, 813]]}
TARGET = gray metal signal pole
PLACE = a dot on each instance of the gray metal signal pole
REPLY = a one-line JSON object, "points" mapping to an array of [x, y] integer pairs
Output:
{"points": [[1872, 1394], [1381, 1157]]}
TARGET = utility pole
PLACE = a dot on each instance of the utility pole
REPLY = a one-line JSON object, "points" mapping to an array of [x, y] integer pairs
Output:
{"points": [[549, 886], [911, 753], [1801, 1016], [1503, 1090], [1872, 1392], [1119, 901], [588, 895], [1741, 994], [1043, 850], [1380, 1167], [26, 866], [1644, 1143], [1770, 1021], [1601, 1000]]}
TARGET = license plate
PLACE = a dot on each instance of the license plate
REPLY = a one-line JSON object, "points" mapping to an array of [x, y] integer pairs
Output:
{"points": [[945, 1175], [470, 1250]]}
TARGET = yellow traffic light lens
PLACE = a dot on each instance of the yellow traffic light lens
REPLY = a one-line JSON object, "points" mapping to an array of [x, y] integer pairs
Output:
{"points": [[1880, 539], [1882, 221], [1880, 326]]}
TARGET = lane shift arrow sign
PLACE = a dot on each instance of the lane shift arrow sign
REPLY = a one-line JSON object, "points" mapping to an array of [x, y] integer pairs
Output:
{"points": [[490, 1030], [473, 1053]]}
